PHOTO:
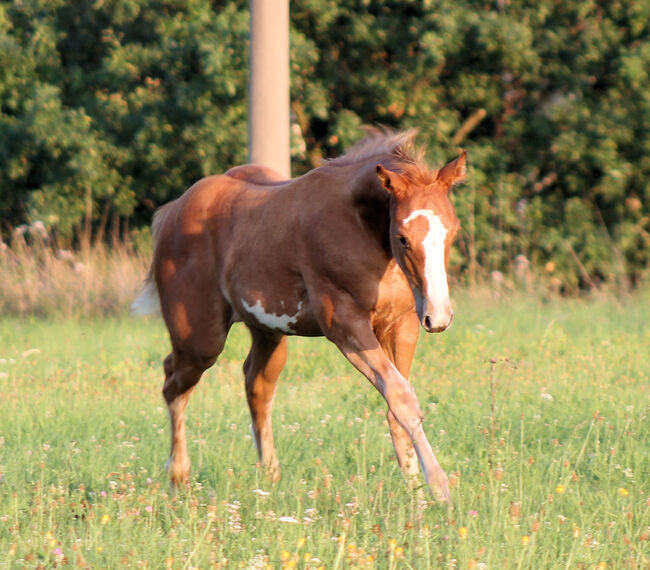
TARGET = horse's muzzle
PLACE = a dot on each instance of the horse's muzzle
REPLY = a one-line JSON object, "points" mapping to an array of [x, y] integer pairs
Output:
{"points": [[436, 325]]}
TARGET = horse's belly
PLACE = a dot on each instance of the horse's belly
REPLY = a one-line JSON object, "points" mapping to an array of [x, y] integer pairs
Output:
{"points": [[285, 316]]}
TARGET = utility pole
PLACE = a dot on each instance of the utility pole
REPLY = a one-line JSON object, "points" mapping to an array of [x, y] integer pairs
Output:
{"points": [[268, 97]]}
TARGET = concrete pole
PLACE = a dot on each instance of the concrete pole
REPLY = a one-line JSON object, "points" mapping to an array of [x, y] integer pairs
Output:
{"points": [[268, 98]]}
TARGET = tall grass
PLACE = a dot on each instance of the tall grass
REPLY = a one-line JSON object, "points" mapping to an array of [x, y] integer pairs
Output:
{"points": [[537, 409], [39, 278]]}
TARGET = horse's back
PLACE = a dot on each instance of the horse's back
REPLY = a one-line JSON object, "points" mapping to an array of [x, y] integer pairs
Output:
{"points": [[256, 174]]}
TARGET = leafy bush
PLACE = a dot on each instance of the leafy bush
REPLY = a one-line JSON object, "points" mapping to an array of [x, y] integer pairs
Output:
{"points": [[108, 109]]}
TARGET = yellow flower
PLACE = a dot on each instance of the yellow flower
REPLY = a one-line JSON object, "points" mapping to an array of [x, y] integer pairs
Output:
{"points": [[560, 489], [525, 540], [399, 552], [576, 531], [105, 518], [169, 562], [285, 555], [301, 542], [623, 492], [463, 532], [99, 549], [601, 565]]}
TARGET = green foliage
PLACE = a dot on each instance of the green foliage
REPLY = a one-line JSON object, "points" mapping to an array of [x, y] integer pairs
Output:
{"points": [[108, 109]]}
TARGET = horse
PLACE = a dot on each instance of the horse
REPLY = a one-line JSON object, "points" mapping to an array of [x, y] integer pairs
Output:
{"points": [[355, 250]]}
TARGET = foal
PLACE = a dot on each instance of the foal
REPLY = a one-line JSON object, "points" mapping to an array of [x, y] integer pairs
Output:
{"points": [[355, 250]]}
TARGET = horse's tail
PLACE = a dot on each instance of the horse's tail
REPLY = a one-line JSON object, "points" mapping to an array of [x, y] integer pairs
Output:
{"points": [[147, 302]]}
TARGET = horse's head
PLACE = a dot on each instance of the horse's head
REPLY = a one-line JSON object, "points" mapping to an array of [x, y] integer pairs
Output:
{"points": [[422, 228]]}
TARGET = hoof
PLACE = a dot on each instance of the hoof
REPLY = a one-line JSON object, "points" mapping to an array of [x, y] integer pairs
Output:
{"points": [[440, 489], [179, 472], [273, 472]]}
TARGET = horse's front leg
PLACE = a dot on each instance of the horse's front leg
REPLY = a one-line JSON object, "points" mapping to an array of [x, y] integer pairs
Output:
{"points": [[350, 330], [399, 340]]}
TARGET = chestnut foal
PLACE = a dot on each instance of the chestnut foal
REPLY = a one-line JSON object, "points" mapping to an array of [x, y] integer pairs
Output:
{"points": [[355, 250]]}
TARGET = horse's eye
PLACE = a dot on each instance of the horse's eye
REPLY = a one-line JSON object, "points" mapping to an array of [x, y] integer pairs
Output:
{"points": [[403, 242]]}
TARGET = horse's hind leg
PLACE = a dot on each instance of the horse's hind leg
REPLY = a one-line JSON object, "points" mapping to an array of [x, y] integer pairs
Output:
{"points": [[182, 372], [262, 367]]}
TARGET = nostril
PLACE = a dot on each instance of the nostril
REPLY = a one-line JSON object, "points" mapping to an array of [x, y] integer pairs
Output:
{"points": [[427, 322]]}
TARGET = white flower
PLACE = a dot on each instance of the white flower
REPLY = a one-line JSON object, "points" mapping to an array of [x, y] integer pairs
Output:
{"points": [[289, 519], [261, 493]]}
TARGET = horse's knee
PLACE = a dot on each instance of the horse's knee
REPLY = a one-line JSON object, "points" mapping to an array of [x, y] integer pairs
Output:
{"points": [[183, 371]]}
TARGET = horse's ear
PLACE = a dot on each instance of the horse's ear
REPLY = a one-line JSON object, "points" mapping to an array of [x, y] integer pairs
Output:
{"points": [[392, 181], [454, 172]]}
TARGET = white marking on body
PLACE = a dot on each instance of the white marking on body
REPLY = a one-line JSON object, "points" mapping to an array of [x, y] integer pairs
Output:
{"points": [[435, 273], [271, 320]]}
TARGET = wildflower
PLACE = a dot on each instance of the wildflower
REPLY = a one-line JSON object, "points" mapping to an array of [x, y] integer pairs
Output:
{"points": [[560, 489], [399, 552], [623, 492], [463, 532], [576, 531], [169, 562], [285, 555], [301, 542], [105, 518], [289, 519], [525, 540], [473, 513], [261, 493]]}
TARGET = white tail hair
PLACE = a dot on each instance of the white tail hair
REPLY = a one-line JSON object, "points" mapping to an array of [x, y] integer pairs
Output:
{"points": [[148, 302]]}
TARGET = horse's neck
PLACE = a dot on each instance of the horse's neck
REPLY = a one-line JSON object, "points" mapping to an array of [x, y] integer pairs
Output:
{"points": [[373, 204]]}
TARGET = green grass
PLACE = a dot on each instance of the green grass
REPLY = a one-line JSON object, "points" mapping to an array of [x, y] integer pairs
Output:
{"points": [[546, 446]]}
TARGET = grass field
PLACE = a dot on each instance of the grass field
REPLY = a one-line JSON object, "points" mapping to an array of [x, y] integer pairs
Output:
{"points": [[537, 410]]}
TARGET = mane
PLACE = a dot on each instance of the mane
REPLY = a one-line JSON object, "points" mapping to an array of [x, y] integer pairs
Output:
{"points": [[383, 142]]}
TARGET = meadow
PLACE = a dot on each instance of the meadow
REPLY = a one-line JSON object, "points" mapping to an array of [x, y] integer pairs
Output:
{"points": [[537, 408]]}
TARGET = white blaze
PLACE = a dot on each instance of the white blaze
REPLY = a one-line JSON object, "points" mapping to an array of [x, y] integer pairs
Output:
{"points": [[271, 320], [435, 273]]}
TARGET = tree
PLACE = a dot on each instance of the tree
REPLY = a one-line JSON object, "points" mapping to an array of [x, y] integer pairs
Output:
{"points": [[108, 109]]}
